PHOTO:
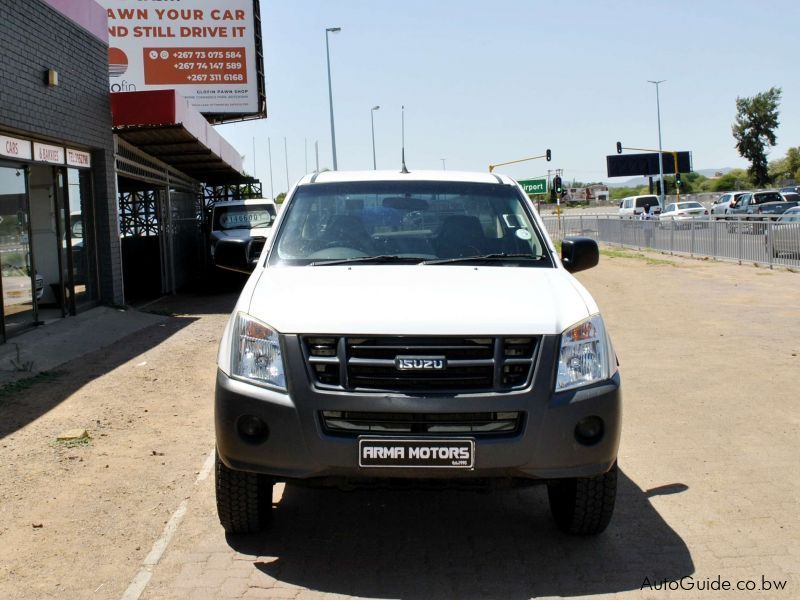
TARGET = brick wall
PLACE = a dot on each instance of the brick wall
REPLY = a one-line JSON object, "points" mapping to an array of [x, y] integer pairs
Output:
{"points": [[35, 37]]}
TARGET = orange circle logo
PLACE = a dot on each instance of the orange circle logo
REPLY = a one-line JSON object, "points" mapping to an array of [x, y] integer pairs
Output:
{"points": [[117, 62]]}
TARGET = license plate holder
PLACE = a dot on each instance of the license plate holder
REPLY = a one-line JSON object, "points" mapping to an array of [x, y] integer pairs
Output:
{"points": [[452, 453]]}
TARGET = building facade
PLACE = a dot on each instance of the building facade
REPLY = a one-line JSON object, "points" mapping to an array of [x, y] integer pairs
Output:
{"points": [[103, 194], [59, 240]]}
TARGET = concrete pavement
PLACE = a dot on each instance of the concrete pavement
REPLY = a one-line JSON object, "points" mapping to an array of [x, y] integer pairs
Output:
{"points": [[45, 348]]}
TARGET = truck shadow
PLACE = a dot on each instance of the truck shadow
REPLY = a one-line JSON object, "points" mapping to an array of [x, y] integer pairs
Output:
{"points": [[25, 401], [460, 544]]}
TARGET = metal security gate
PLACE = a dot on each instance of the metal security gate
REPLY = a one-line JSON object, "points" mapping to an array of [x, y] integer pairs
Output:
{"points": [[160, 224]]}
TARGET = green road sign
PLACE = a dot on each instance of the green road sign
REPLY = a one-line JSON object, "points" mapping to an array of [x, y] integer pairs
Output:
{"points": [[534, 186]]}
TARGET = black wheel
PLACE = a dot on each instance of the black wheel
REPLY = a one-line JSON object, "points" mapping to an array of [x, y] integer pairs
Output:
{"points": [[244, 500], [583, 505]]}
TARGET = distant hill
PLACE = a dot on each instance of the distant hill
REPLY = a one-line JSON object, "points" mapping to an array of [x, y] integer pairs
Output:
{"points": [[642, 181]]}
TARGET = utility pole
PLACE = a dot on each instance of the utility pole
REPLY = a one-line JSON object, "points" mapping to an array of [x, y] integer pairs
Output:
{"points": [[316, 152], [444, 165], [661, 197], [271, 187], [330, 91], [254, 156], [305, 152], [372, 124], [286, 158]]}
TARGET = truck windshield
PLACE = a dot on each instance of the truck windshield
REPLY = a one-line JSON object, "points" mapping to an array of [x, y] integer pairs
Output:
{"points": [[408, 222], [243, 216]]}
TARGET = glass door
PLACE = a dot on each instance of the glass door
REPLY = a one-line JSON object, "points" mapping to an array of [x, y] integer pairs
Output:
{"points": [[80, 241], [17, 275]]}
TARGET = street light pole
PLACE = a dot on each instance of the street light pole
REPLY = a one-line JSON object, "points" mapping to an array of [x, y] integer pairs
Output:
{"points": [[661, 197], [286, 158], [330, 91], [372, 122], [444, 166], [271, 186]]}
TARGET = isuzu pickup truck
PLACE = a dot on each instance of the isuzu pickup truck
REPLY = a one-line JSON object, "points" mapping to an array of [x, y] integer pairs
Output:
{"points": [[415, 328]]}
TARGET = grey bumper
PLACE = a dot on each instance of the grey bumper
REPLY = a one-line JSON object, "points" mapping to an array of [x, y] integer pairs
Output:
{"points": [[297, 447]]}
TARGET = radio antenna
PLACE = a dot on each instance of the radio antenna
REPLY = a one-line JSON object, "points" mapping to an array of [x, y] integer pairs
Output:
{"points": [[403, 139]]}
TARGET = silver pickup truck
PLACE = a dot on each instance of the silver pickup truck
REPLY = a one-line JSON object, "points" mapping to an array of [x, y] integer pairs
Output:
{"points": [[752, 209], [242, 221]]}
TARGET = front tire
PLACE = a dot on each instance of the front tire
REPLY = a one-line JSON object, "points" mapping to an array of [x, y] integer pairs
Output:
{"points": [[244, 500], [583, 505]]}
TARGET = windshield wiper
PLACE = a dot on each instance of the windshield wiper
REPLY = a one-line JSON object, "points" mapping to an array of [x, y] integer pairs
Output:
{"points": [[384, 258], [485, 257]]}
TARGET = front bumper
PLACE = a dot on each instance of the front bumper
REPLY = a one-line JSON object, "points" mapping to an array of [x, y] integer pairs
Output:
{"points": [[297, 447]]}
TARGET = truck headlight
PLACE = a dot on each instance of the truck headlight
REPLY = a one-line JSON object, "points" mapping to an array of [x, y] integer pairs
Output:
{"points": [[256, 353], [586, 355]]}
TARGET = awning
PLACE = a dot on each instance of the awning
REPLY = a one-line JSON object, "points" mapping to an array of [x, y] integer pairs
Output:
{"points": [[162, 124]]}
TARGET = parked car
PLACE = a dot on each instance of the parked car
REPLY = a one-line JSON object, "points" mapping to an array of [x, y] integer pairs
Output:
{"points": [[752, 208], [724, 202], [633, 206], [784, 236], [17, 285], [795, 189], [248, 222], [680, 214], [455, 348]]}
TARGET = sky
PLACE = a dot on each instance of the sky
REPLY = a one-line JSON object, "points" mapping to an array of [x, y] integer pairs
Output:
{"points": [[485, 82]]}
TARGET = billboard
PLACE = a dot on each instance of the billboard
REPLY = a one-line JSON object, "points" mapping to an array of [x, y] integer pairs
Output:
{"points": [[635, 165], [209, 51]]}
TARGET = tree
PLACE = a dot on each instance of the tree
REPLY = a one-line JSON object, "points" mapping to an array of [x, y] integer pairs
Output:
{"points": [[280, 198], [754, 130], [738, 179], [786, 168]]}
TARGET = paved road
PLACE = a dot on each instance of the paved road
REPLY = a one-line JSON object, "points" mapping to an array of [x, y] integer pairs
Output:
{"points": [[708, 486]]}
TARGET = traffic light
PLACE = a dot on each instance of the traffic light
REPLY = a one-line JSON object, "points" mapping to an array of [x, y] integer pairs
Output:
{"points": [[548, 154], [619, 147], [557, 184], [678, 179]]}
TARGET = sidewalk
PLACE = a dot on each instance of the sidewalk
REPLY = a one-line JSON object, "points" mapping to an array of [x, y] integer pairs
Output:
{"points": [[46, 347]]}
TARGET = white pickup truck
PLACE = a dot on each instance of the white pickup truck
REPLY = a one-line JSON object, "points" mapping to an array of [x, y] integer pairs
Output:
{"points": [[415, 327]]}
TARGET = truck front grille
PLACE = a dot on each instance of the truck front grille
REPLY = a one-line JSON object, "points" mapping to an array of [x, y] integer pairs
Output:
{"points": [[349, 423], [465, 364]]}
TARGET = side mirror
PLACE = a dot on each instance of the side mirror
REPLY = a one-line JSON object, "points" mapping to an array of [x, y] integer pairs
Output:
{"points": [[579, 253], [238, 255]]}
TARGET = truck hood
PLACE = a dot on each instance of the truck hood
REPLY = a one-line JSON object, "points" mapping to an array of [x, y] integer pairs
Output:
{"points": [[418, 300]]}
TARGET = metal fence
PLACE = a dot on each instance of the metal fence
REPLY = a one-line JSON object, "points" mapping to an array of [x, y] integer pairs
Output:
{"points": [[745, 240]]}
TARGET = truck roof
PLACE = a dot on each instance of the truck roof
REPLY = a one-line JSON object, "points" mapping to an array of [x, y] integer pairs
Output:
{"points": [[249, 202], [414, 175]]}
